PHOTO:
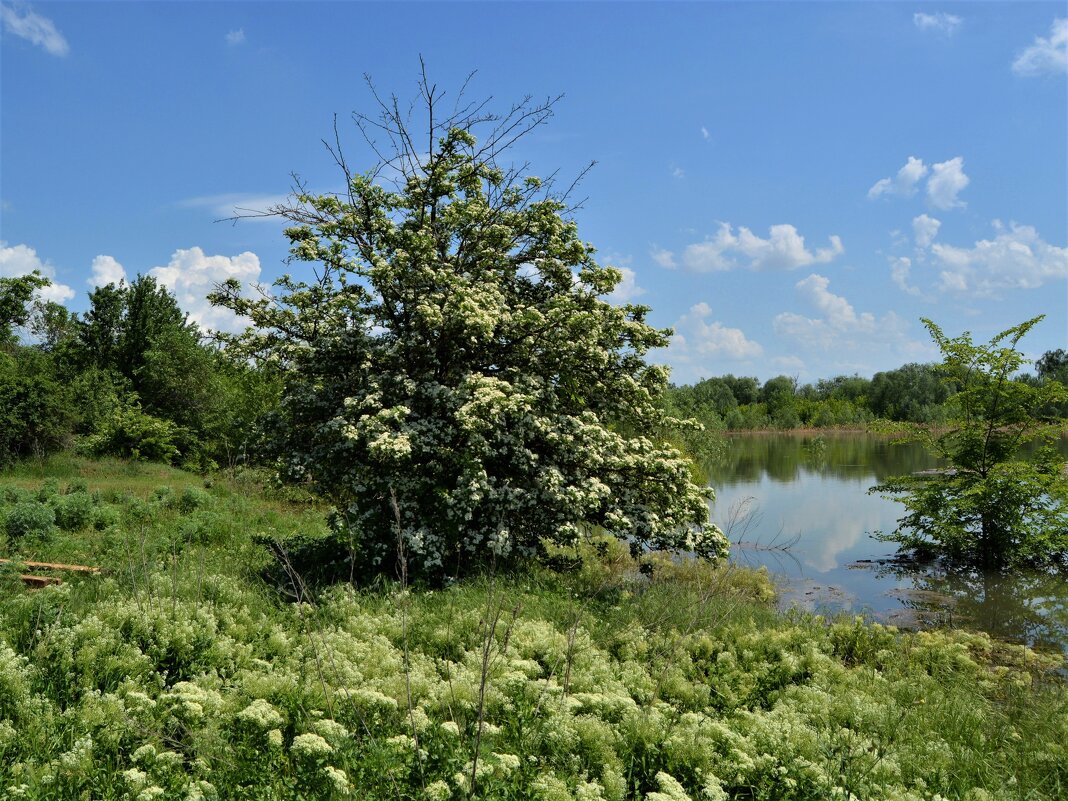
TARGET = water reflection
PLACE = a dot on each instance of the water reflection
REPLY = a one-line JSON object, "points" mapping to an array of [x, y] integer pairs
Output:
{"points": [[1024, 606], [798, 504]]}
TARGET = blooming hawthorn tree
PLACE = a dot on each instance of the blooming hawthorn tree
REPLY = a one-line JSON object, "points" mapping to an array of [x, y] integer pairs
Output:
{"points": [[455, 382]]}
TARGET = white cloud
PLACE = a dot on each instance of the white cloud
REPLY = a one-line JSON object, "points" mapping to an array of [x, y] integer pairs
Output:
{"points": [[940, 22], [106, 270], [1045, 55], [838, 311], [700, 345], [1016, 258], [924, 230], [783, 249], [19, 260], [678, 172], [840, 328], [236, 204], [35, 29], [237, 37], [191, 275], [904, 184], [664, 258], [705, 134], [627, 289], [946, 182], [900, 273]]}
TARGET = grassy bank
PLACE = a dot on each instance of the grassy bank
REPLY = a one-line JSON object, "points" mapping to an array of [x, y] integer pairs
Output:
{"points": [[180, 673]]}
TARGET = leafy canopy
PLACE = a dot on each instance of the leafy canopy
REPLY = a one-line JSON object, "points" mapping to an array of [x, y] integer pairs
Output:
{"points": [[454, 380], [1004, 496]]}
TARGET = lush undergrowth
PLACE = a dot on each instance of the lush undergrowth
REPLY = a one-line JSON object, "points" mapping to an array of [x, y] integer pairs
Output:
{"points": [[180, 673]]}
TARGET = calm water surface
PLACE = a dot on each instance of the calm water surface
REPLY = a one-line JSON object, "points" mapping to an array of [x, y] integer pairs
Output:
{"points": [[799, 504]]}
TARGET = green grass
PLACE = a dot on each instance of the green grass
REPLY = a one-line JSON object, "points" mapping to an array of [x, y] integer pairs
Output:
{"points": [[180, 673]]}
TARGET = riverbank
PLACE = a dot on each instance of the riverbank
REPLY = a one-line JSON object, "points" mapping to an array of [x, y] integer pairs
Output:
{"points": [[180, 673]]}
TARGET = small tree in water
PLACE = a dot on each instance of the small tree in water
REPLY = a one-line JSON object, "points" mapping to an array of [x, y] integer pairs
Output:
{"points": [[1003, 498], [454, 352]]}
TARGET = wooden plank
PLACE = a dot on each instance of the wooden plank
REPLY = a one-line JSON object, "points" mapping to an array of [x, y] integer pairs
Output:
{"points": [[51, 566], [40, 581]]}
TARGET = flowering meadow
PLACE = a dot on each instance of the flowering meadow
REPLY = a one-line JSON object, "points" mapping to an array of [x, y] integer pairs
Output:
{"points": [[184, 671]]}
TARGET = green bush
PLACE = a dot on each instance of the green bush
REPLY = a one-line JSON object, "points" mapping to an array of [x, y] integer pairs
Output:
{"points": [[76, 485], [105, 517], [193, 498], [131, 433], [30, 518], [13, 495], [164, 496], [48, 490], [201, 528], [73, 512]]}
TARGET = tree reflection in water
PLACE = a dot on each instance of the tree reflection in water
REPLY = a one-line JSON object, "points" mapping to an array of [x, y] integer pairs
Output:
{"points": [[1023, 606]]}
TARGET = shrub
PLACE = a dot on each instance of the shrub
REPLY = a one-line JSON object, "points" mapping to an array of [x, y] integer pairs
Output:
{"points": [[104, 517], [73, 511], [193, 498], [76, 485], [131, 433], [30, 518], [48, 490]]}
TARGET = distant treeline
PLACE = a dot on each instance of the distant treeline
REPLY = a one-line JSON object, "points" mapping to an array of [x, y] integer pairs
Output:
{"points": [[915, 393], [133, 377], [130, 377]]}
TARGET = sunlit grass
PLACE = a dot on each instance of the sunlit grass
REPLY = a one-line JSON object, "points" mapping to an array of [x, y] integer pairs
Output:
{"points": [[180, 673]]}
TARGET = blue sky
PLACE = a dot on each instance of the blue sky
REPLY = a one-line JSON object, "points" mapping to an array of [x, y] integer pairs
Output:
{"points": [[790, 186]]}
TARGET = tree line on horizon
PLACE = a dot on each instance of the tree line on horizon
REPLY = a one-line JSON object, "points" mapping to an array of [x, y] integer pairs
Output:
{"points": [[912, 393], [132, 377]]}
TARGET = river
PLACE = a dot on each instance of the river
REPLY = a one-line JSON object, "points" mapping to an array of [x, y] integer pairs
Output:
{"points": [[799, 505]]}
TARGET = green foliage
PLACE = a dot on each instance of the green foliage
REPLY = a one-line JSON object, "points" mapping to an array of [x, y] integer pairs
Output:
{"points": [[455, 382], [994, 504], [36, 409], [177, 674], [129, 432], [16, 302], [74, 511], [29, 519], [914, 393], [193, 498]]}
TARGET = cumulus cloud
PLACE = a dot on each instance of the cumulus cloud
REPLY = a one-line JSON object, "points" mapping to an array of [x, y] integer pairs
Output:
{"points": [[627, 289], [900, 274], [924, 230], [19, 260], [1045, 55], [783, 249], [234, 38], [946, 182], [106, 270], [701, 345], [664, 258], [904, 183], [34, 28], [939, 22], [1016, 258], [705, 134], [191, 275], [840, 327]]}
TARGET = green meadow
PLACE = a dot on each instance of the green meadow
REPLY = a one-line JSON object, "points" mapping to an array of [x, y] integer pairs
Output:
{"points": [[200, 664]]}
